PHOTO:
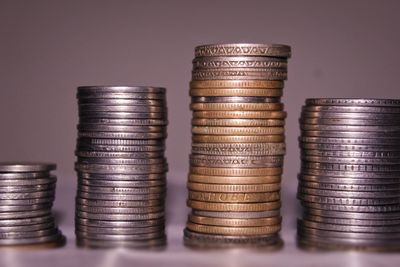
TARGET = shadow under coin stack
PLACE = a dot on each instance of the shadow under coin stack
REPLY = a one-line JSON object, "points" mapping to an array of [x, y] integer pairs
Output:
{"points": [[121, 167], [238, 145], [349, 185], [27, 192]]}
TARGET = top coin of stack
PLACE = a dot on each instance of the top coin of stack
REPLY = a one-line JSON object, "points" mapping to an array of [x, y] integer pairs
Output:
{"points": [[121, 166], [350, 178], [237, 144]]}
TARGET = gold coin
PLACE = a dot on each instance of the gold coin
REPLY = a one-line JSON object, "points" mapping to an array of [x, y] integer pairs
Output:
{"points": [[238, 130], [234, 197], [237, 139], [234, 207], [236, 84], [242, 231], [218, 114], [234, 188], [195, 178], [238, 122], [237, 106], [235, 222], [235, 171], [236, 92], [239, 149]]}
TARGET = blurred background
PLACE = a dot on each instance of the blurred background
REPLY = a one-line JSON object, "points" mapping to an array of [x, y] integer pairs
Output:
{"points": [[48, 48]]}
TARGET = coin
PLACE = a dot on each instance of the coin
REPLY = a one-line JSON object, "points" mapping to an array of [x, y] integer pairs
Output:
{"points": [[234, 179], [118, 148], [120, 196], [233, 188], [124, 95], [351, 167], [243, 49], [350, 109], [353, 187], [243, 231], [352, 222], [240, 114], [121, 89], [237, 138], [236, 92], [102, 154], [236, 161], [119, 231], [122, 115], [122, 169], [119, 210], [122, 190], [96, 244], [351, 160], [119, 217], [238, 122], [13, 167], [351, 128], [117, 183], [348, 115], [235, 207], [348, 194], [222, 149], [241, 197], [347, 201], [238, 130], [122, 161], [235, 171], [235, 222], [237, 106], [122, 135], [237, 215], [122, 177], [353, 102], [352, 122], [260, 84], [366, 208], [354, 154], [119, 237], [83, 108], [238, 62], [235, 99], [367, 216], [349, 182], [120, 128], [121, 101], [133, 122]]}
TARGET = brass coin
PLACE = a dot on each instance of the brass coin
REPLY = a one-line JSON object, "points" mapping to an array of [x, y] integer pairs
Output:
{"points": [[237, 106], [234, 207], [238, 149], [237, 139], [238, 122], [236, 92], [230, 188], [240, 114], [236, 161], [238, 130], [243, 49], [237, 84], [235, 171], [240, 197], [242, 231], [235, 222], [195, 178]]}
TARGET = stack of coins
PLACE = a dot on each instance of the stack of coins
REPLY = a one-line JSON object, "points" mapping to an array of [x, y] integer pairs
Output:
{"points": [[350, 177], [27, 192], [237, 145], [121, 167]]}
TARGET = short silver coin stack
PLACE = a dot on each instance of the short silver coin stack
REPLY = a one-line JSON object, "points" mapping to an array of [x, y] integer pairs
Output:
{"points": [[121, 167], [27, 192], [349, 184]]}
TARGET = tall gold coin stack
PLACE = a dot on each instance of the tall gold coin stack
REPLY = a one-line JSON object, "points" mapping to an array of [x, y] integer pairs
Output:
{"points": [[238, 145]]}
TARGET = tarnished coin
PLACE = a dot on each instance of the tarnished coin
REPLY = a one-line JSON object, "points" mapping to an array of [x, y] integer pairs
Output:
{"points": [[119, 217], [238, 122], [350, 174], [122, 169], [119, 149], [367, 216], [120, 196], [353, 109], [377, 143], [237, 92], [240, 149], [136, 155], [122, 177], [119, 210], [248, 84], [349, 128], [119, 204], [243, 49], [122, 135], [122, 190], [229, 188], [26, 189], [365, 186], [45, 239], [118, 237], [26, 221], [363, 154], [348, 183], [117, 183], [349, 147]]}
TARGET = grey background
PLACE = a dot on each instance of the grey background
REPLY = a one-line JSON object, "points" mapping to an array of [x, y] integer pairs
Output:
{"points": [[48, 48]]}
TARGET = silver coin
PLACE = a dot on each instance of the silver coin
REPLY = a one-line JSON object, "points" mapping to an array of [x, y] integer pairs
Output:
{"points": [[100, 154], [120, 149], [391, 137], [24, 175], [116, 183], [350, 109], [120, 128], [123, 177], [123, 102], [351, 174], [349, 147], [121, 89], [240, 74], [377, 143], [121, 237], [351, 228], [353, 154], [54, 237], [119, 211], [83, 108], [122, 190], [122, 169], [351, 167], [119, 217], [26, 202], [352, 187], [234, 99], [26, 167], [313, 113], [26, 221], [350, 128], [14, 207], [28, 182], [24, 196], [347, 201], [26, 188], [23, 215], [386, 208], [119, 197], [137, 244], [30, 234], [130, 122], [349, 194], [121, 161], [237, 215], [243, 49], [27, 228], [369, 216], [238, 62], [119, 231], [119, 224], [123, 115], [353, 160], [342, 182], [352, 122], [125, 95], [353, 102], [221, 149], [122, 135], [120, 204], [352, 222], [236, 161]]}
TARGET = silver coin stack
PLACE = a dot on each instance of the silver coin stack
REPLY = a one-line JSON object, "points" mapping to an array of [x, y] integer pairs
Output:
{"points": [[27, 192], [238, 145], [349, 185], [121, 167]]}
